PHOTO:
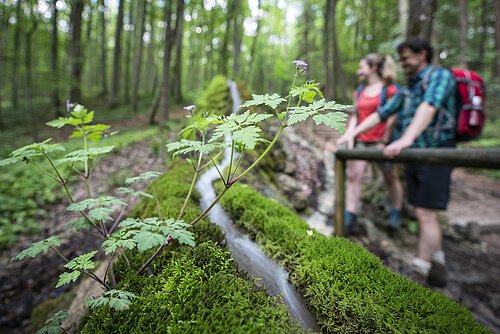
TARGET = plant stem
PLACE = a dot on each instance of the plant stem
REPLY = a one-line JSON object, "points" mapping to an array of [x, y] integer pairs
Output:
{"points": [[45, 172], [191, 187], [261, 156], [69, 172], [217, 168], [158, 206], [230, 162], [240, 159], [290, 97]]}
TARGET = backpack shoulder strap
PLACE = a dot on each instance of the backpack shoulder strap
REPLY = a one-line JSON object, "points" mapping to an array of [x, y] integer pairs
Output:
{"points": [[358, 91]]}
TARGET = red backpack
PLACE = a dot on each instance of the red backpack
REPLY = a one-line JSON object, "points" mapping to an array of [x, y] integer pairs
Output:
{"points": [[471, 96]]}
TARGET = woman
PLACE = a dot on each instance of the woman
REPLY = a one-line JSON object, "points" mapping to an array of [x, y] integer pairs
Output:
{"points": [[377, 74]]}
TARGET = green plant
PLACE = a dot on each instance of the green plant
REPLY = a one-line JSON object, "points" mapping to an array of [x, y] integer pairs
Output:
{"points": [[144, 234]]}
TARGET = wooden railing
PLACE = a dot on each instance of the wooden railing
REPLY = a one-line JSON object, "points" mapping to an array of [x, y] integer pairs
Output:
{"points": [[477, 158]]}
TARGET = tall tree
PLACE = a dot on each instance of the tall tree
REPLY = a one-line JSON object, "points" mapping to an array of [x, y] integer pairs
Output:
{"points": [[421, 16], [404, 8], [75, 50], [177, 80], [104, 69], [253, 48], [330, 83], [150, 63], [462, 5], [56, 103], [4, 33], [237, 36], [28, 63], [130, 46], [117, 52], [225, 40], [138, 55], [496, 69], [15, 54]]}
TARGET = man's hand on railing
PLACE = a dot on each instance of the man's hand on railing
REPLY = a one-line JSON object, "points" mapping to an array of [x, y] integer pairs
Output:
{"points": [[396, 147]]}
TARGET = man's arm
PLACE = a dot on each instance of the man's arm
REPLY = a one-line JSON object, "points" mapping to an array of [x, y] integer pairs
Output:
{"points": [[422, 119]]}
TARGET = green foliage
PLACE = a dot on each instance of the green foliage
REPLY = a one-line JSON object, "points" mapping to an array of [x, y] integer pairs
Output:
{"points": [[80, 263], [68, 277], [146, 176], [348, 289], [28, 152], [38, 248], [243, 129], [185, 146], [272, 101], [84, 155], [334, 120], [53, 324], [115, 299]]}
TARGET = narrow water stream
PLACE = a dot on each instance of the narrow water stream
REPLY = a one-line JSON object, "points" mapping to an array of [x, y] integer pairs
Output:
{"points": [[247, 254]]}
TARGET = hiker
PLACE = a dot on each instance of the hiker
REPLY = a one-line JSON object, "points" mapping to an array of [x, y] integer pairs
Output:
{"points": [[377, 74], [426, 106]]}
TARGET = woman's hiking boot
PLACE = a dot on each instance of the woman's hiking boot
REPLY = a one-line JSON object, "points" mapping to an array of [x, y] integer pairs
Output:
{"points": [[394, 220]]}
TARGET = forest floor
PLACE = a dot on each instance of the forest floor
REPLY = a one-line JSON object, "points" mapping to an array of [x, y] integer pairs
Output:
{"points": [[474, 267]]}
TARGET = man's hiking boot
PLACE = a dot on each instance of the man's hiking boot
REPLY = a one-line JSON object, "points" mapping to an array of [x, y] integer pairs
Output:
{"points": [[438, 275], [394, 220]]}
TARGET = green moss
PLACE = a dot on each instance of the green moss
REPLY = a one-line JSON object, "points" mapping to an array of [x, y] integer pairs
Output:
{"points": [[46, 309], [192, 289], [216, 98], [348, 289]]}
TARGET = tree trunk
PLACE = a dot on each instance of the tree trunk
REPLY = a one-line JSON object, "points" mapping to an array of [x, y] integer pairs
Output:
{"points": [[165, 82], [254, 46], [104, 69], [75, 51], [15, 55], [115, 85], [29, 75], [330, 83], [421, 16], [177, 82], [373, 25], [225, 40], [130, 46], [338, 74], [4, 33], [237, 37], [496, 69], [462, 4], [403, 17], [56, 103], [138, 55], [150, 64], [88, 50]]}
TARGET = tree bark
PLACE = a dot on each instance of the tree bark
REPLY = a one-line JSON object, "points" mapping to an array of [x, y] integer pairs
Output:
{"points": [[4, 33], [338, 74], [225, 40], [329, 84], [15, 55], [129, 47], [237, 37], [421, 16], [75, 52], [496, 69], [87, 52], [115, 85], [29, 74], [462, 4], [151, 64], [104, 69], [56, 103], [254, 46], [403, 17], [138, 55], [177, 82]]}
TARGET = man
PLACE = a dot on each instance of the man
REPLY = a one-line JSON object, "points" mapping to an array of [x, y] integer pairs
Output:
{"points": [[427, 108]]}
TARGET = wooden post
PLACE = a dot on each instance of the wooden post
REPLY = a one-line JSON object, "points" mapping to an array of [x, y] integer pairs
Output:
{"points": [[339, 196]]}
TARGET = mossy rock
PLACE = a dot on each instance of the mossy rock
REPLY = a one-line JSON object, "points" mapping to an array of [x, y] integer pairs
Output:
{"points": [[189, 289], [348, 288]]}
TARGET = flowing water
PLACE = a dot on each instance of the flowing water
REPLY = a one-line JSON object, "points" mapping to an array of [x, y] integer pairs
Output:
{"points": [[247, 254]]}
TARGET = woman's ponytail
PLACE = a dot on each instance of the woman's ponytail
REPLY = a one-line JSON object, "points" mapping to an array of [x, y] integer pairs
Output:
{"points": [[388, 67]]}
